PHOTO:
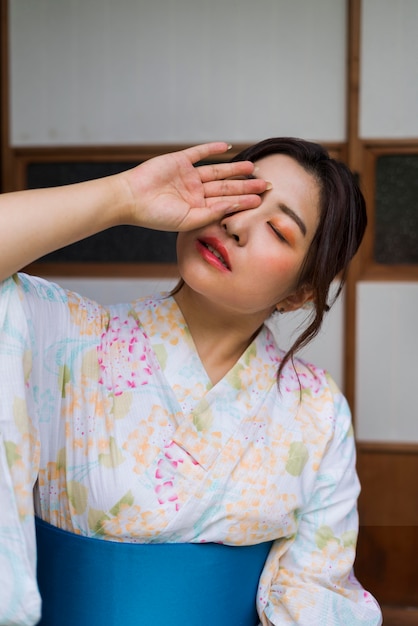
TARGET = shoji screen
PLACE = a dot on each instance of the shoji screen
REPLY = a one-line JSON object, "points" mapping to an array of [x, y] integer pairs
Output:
{"points": [[387, 308]]}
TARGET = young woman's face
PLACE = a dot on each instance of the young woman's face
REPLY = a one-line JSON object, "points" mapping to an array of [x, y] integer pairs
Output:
{"points": [[250, 261]]}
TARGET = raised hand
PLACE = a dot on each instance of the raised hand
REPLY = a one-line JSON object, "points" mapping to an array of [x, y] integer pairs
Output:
{"points": [[164, 193], [170, 193]]}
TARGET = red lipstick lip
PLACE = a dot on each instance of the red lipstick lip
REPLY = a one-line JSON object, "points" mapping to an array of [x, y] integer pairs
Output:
{"points": [[214, 243]]}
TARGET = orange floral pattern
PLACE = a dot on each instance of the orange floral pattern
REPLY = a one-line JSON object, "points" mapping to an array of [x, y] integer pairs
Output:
{"points": [[110, 416]]}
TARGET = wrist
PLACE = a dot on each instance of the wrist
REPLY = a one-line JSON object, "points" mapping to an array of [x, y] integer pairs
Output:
{"points": [[126, 200], [113, 202]]}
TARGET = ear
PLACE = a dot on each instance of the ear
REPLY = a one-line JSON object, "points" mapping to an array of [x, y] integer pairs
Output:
{"points": [[296, 300]]}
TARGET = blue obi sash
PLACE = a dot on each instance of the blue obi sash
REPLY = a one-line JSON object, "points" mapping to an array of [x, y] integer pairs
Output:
{"points": [[85, 581]]}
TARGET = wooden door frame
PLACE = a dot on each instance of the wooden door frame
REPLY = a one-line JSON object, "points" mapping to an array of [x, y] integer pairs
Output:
{"points": [[354, 162], [5, 150]]}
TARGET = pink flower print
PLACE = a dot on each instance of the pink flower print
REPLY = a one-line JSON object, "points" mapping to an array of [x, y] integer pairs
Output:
{"points": [[165, 474], [174, 453], [124, 357], [272, 351], [368, 598], [132, 343], [165, 469], [166, 492]]}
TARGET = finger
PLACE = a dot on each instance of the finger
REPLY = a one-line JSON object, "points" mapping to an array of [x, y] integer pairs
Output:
{"points": [[204, 150], [218, 171], [233, 204], [216, 209], [235, 187]]}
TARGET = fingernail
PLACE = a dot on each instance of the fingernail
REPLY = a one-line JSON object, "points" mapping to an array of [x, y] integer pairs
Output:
{"points": [[229, 146], [269, 186]]}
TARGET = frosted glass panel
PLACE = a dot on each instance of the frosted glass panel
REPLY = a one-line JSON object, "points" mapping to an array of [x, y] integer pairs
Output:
{"points": [[396, 226], [135, 71], [326, 350], [386, 362], [389, 75]]}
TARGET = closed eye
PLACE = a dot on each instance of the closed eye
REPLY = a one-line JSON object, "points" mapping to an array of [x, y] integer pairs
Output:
{"points": [[278, 233]]}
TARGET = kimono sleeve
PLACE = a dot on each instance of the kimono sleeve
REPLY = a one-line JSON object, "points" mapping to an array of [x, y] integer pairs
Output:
{"points": [[310, 578], [19, 454]]}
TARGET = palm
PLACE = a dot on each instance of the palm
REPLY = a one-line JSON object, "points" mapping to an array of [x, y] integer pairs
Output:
{"points": [[172, 194], [175, 190]]}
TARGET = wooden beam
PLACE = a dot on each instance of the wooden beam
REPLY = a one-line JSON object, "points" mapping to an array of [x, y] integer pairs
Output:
{"points": [[353, 84], [354, 160], [5, 152]]}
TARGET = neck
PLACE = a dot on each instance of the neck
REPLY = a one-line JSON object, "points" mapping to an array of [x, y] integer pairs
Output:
{"points": [[220, 336]]}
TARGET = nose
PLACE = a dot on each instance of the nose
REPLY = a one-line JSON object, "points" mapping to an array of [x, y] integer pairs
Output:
{"points": [[235, 225]]}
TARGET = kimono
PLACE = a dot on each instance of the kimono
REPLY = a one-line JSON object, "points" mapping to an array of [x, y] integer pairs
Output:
{"points": [[110, 421]]}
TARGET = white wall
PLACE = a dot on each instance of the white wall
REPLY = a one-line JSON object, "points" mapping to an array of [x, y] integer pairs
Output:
{"points": [[176, 71], [327, 349], [387, 364], [389, 74]]}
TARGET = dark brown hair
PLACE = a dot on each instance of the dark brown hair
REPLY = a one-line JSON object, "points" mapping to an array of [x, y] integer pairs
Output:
{"points": [[342, 222]]}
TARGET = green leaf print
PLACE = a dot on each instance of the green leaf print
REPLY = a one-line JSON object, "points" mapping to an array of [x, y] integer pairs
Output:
{"points": [[12, 454], [298, 456], [27, 364], [95, 521], [20, 415], [114, 457], [203, 416], [234, 376], [127, 499], [77, 495], [61, 458], [349, 538], [121, 405], [323, 536], [161, 353], [64, 377], [90, 365], [250, 353]]}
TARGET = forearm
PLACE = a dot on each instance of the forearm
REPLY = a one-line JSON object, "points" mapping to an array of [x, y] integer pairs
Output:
{"points": [[36, 222], [163, 193]]}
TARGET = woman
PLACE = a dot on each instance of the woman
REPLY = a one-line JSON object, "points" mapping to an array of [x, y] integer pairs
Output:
{"points": [[176, 419]]}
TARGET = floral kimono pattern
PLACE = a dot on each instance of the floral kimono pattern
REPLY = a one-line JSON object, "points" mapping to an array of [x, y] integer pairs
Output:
{"points": [[109, 417]]}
